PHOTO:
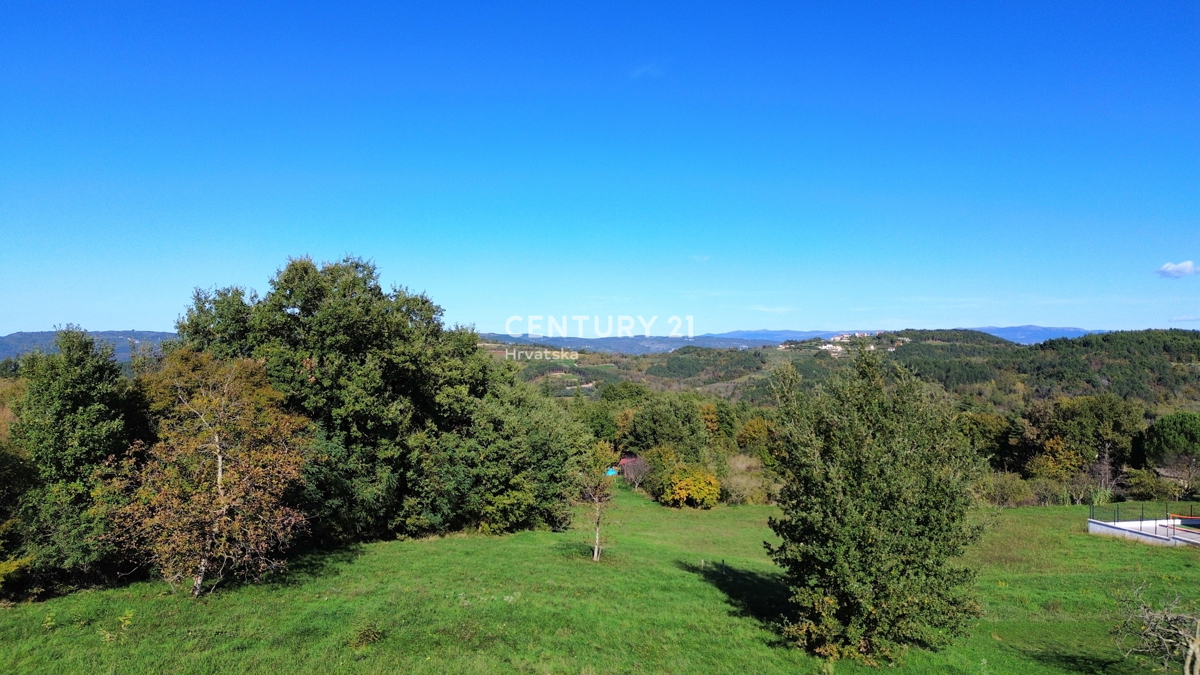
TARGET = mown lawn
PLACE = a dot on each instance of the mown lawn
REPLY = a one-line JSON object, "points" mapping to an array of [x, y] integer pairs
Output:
{"points": [[661, 601]]}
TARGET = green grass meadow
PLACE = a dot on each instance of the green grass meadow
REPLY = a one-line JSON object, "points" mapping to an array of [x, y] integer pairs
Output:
{"points": [[659, 602]]}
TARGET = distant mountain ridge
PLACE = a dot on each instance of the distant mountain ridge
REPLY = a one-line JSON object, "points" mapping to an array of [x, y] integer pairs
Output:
{"points": [[777, 336], [630, 345], [17, 344]]}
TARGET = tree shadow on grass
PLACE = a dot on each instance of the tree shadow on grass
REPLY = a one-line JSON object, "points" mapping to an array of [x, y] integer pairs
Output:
{"points": [[574, 549], [569, 548], [1083, 663], [757, 595], [315, 563]]}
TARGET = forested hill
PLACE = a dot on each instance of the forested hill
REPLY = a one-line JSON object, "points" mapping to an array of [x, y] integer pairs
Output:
{"points": [[1160, 367], [18, 343]]}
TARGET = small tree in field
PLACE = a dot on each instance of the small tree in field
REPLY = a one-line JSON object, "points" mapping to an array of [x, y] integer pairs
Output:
{"points": [[208, 499], [636, 471], [875, 504], [596, 485]]}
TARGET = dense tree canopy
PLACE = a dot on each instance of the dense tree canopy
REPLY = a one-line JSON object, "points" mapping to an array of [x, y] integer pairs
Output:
{"points": [[415, 421], [1175, 435], [668, 421], [875, 502], [73, 414], [509, 468], [76, 412]]}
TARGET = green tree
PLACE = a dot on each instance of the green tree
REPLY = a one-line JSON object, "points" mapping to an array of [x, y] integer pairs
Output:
{"points": [[1096, 427], [509, 468], [753, 436], [72, 415], [77, 411], [668, 420], [419, 431], [1172, 436], [599, 416], [987, 434], [625, 392], [875, 508], [596, 485], [16, 476]]}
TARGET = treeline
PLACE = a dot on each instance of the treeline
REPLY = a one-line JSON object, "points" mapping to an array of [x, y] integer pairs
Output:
{"points": [[1087, 449], [327, 411], [1161, 368], [575, 376], [1077, 420], [709, 365], [687, 449], [1154, 366]]}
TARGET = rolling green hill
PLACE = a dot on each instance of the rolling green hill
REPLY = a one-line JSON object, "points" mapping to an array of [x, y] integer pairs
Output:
{"points": [[1159, 367]]}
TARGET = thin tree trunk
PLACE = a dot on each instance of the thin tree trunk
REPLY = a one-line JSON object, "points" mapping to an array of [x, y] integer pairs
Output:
{"points": [[198, 580], [1191, 665], [220, 468], [596, 546]]}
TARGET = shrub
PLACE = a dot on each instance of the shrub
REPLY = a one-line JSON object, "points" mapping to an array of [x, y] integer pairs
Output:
{"points": [[16, 476], [1048, 492], [745, 482], [636, 470], [664, 462], [508, 469], [1145, 485], [11, 569], [1005, 489], [693, 486]]}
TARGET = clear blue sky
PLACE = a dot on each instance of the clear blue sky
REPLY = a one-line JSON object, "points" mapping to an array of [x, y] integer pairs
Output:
{"points": [[780, 165]]}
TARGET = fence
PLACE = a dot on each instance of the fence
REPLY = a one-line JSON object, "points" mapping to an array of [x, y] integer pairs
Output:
{"points": [[1125, 512]]}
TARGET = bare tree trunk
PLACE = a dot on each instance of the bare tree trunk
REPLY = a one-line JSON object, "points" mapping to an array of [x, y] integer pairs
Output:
{"points": [[1191, 664], [198, 580], [596, 546], [220, 465]]}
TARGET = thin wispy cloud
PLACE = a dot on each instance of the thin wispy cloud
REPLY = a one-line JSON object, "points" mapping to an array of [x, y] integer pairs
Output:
{"points": [[1181, 319], [700, 258], [771, 310], [1176, 270]]}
